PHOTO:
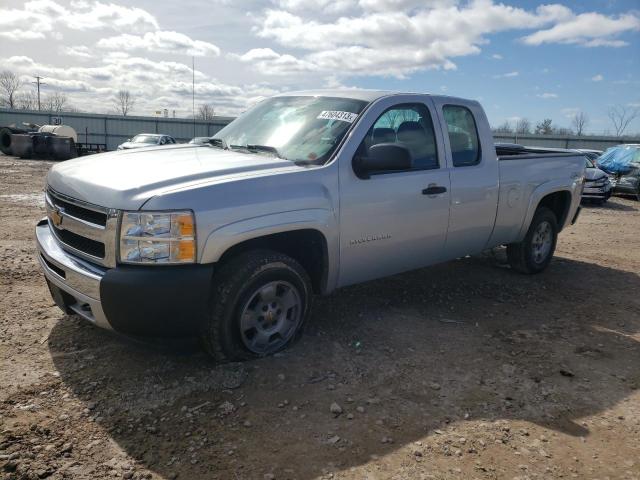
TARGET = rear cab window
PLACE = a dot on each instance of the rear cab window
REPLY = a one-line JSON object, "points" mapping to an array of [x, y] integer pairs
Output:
{"points": [[463, 135]]}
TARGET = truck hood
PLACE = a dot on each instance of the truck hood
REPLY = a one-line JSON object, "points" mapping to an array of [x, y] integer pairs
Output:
{"points": [[126, 179]]}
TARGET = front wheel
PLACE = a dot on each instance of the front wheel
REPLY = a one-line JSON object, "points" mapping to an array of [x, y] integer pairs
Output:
{"points": [[259, 303], [534, 253]]}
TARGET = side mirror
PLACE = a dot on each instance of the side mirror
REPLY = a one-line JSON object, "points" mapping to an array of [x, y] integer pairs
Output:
{"points": [[383, 157]]}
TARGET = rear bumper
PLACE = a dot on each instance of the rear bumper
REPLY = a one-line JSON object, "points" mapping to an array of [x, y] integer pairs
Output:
{"points": [[156, 301]]}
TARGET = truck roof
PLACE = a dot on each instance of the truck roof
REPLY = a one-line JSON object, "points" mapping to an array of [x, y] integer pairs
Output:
{"points": [[360, 94]]}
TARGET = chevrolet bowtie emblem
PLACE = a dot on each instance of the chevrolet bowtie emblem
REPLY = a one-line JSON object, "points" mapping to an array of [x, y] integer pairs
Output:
{"points": [[56, 217]]}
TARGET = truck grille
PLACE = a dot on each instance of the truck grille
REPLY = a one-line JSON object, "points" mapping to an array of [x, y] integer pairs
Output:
{"points": [[84, 229]]}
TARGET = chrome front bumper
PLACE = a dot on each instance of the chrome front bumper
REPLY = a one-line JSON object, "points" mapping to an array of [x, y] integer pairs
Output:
{"points": [[79, 279]]}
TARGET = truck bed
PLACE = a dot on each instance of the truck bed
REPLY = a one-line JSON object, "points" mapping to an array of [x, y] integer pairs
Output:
{"points": [[513, 151], [520, 179]]}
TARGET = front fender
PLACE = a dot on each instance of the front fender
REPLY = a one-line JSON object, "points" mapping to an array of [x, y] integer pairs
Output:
{"points": [[323, 220]]}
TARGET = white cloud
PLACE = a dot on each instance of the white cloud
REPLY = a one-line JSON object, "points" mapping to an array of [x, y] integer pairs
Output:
{"points": [[496, 56], [160, 41], [390, 37], [587, 29], [79, 51], [570, 112], [597, 78], [507, 75], [41, 18], [547, 95], [154, 84]]}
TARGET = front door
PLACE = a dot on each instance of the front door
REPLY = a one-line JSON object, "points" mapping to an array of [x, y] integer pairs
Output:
{"points": [[394, 221]]}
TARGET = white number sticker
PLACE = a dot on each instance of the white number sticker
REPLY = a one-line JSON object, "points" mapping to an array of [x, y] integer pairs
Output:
{"points": [[337, 115]]}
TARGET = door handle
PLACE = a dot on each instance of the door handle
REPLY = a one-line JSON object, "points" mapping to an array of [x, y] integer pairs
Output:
{"points": [[434, 190]]}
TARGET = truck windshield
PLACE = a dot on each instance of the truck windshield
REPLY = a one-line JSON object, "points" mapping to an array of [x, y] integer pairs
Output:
{"points": [[300, 129], [145, 139]]}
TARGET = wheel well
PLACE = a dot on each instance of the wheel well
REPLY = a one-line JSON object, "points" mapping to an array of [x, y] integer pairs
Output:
{"points": [[308, 247], [558, 203]]}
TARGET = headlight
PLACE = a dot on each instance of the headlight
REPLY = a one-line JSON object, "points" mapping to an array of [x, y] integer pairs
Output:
{"points": [[158, 237]]}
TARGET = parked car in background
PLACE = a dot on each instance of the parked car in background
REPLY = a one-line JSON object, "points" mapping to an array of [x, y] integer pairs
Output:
{"points": [[622, 164], [200, 140], [590, 154], [147, 140], [597, 185]]}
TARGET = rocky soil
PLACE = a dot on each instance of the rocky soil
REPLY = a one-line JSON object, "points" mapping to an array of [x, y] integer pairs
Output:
{"points": [[463, 370]]}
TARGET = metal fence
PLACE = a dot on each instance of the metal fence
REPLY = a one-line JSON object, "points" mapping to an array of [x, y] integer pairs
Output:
{"points": [[112, 130], [564, 141]]}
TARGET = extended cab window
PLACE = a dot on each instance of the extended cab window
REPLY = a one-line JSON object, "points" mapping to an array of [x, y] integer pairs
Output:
{"points": [[463, 135], [409, 125]]}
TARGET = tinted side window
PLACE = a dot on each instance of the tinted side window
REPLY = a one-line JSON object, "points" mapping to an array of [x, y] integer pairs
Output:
{"points": [[409, 125], [463, 135]]}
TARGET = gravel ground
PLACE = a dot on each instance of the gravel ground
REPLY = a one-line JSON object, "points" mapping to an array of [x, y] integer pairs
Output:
{"points": [[463, 370]]}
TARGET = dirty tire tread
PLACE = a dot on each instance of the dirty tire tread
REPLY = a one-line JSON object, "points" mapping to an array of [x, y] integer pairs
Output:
{"points": [[227, 288], [517, 253]]}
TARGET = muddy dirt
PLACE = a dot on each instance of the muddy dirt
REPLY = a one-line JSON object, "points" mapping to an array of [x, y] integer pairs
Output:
{"points": [[463, 370]]}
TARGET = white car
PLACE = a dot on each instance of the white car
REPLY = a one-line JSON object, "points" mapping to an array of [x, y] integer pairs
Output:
{"points": [[147, 140]]}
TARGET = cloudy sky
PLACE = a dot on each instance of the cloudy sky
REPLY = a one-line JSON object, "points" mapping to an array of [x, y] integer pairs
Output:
{"points": [[520, 58]]}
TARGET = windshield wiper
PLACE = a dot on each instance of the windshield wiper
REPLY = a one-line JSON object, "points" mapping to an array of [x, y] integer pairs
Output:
{"points": [[218, 142], [264, 148], [254, 148]]}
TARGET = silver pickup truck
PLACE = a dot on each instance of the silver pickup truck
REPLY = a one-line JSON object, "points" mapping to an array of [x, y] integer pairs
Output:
{"points": [[304, 193]]}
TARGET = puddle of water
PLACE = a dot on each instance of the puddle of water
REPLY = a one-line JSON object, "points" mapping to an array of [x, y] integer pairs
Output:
{"points": [[34, 199]]}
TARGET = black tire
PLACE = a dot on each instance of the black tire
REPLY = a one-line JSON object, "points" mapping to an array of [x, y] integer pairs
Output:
{"points": [[234, 286], [5, 141], [522, 256]]}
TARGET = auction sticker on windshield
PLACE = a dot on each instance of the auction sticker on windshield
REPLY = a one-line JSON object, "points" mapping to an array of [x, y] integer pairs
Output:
{"points": [[337, 115]]}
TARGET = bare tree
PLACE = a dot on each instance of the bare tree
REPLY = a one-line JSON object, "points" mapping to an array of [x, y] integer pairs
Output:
{"points": [[124, 102], [10, 83], [523, 126], [579, 121], [504, 128], [562, 131], [205, 112], [55, 102], [27, 100], [544, 127], [621, 117]]}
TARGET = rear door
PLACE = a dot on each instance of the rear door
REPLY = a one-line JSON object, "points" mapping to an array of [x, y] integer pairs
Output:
{"points": [[389, 223], [474, 175]]}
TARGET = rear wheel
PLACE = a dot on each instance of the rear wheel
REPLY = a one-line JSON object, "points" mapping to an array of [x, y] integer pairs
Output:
{"points": [[534, 253], [259, 303]]}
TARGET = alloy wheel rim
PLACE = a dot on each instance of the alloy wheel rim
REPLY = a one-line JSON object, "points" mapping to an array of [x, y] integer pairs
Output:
{"points": [[541, 242], [270, 317]]}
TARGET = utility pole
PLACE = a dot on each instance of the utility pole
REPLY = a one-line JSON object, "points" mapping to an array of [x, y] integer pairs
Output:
{"points": [[38, 83], [193, 93]]}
